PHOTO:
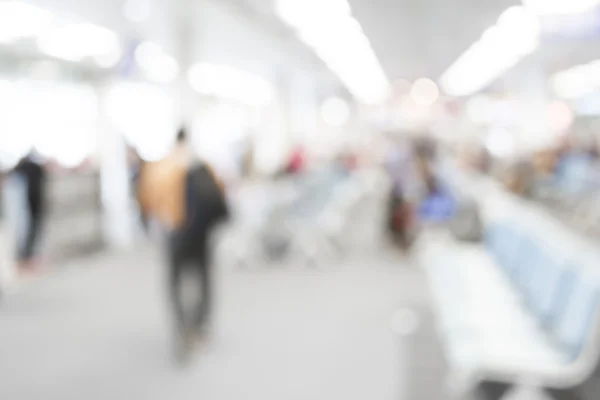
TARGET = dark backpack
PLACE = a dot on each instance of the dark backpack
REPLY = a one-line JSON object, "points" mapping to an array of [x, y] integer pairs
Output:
{"points": [[205, 202]]}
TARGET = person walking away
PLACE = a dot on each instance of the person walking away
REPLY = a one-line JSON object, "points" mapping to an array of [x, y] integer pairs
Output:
{"points": [[187, 199], [32, 173], [399, 217]]}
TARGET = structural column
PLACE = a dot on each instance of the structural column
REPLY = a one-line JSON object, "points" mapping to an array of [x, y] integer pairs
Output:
{"points": [[118, 213]]}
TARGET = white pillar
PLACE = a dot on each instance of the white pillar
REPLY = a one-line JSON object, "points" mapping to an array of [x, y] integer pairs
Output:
{"points": [[118, 215]]}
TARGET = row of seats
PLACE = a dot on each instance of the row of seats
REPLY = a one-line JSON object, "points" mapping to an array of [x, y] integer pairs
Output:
{"points": [[562, 295], [310, 220], [518, 309]]}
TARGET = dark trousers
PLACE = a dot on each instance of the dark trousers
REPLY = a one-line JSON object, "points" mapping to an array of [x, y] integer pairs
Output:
{"points": [[396, 225], [28, 246], [189, 265], [399, 220]]}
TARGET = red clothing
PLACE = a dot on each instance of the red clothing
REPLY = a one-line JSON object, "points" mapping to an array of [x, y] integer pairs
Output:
{"points": [[351, 162], [297, 161]]}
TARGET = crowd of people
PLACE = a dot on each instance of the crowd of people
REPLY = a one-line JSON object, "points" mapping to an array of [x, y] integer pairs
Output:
{"points": [[524, 174], [411, 165]]}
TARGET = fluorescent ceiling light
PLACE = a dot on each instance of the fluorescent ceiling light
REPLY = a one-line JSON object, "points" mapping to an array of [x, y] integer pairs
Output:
{"points": [[68, 41], [156, 65], [76, 42], [557, 7], [20, 20], [424, 92], [229, 83], [577, 81], [501, 46], [327, 26]]}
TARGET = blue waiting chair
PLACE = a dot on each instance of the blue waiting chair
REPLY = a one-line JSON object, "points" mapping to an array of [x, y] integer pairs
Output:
{"points": [[515, 314]]}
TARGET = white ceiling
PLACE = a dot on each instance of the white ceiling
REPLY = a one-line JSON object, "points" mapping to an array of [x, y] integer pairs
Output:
{"points": [[170, 20], [416, 38], [412, 38], [421, 38]]}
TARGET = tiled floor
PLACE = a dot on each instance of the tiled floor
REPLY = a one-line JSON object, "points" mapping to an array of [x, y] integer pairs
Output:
{"points": [[99, 330]]}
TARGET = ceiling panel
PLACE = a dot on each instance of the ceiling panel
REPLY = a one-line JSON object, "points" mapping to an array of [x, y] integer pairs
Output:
{"points": [[415, 38]]}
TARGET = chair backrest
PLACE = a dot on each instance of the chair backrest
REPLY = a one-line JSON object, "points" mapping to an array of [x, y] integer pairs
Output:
{"points": [[504, 243], [575, 169], [547, 271], [560, 294], [495, 238], [551, 316], [530, 260], [572, 327]]}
